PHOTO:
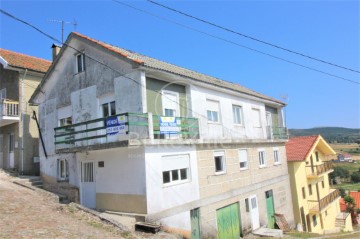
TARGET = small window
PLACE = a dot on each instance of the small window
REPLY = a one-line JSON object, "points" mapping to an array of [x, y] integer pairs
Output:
{"points": [[65, 121], [276, 156], [11, 142], [303, 192], [262, 162], [326, 213], [63, 171], [237, 115], [310, 189], [213, 110], [243, 159], [314, 220], [317, 156], [109, 109], [247, 205], [323, 184], [80, 63], [175, 169], [219, 158], [170, 112]]}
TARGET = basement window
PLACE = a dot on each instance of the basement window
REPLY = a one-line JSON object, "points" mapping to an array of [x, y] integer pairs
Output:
{"points": [[175, 169], [63, 170]]}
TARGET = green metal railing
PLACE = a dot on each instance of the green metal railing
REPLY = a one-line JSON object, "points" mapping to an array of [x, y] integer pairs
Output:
{"points": [[137, 127], [277, 132]]}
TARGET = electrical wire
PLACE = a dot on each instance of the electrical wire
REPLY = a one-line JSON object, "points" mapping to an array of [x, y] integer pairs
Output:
{"points": [[237, 44], [250, 37]]}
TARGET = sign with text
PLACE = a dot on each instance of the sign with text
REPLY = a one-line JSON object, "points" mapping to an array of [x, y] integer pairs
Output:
{"points": [[116, 125], [168, 125]]}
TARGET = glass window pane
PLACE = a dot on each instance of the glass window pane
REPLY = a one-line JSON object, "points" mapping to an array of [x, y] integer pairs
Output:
{"points": [[166, 177], [175, 175], [218, 164], [105, 110], [112, 108], [209, 116], [183, 174], [215, 116]]}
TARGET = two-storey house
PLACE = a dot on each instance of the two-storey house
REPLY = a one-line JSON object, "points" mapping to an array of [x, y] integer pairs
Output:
{"points": [[129, 133], [316, 205], [19, 76]]}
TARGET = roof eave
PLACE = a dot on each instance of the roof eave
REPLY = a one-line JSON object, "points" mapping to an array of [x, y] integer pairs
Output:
{"points": [[3, 62]]}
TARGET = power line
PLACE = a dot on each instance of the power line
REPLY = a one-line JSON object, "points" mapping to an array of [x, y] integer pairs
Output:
{"points": [[250, 37], [237, 44]]}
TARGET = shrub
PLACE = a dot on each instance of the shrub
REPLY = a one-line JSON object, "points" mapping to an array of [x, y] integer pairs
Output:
{"points": [[355, 177]]}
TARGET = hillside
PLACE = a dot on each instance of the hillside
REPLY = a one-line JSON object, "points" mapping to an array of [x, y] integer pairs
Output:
{"points": [[331, 134]]}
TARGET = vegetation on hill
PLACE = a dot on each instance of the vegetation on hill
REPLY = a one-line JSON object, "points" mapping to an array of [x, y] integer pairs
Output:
{"points": [[330, 134]]}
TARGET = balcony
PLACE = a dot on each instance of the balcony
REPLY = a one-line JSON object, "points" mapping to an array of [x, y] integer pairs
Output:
{"points": [[277, 132], [9, 112], [125, 129], [316, 171], [319, 206]]}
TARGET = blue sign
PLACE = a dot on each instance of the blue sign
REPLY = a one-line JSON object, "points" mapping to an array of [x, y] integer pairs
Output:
{"points": [[116, 125], [168, 125]]}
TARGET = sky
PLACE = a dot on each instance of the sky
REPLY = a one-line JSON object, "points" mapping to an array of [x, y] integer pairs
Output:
{"points": [[327, 30]]}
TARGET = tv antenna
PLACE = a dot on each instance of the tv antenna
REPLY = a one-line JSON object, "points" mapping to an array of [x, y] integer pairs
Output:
{"points": [[74, 23]]}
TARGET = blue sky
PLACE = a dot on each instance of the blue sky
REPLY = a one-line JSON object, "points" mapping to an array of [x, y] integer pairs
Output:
{"points": [[329, 30]]}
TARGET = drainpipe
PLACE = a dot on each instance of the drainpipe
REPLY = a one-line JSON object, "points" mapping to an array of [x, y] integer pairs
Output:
{"points": [[22, 122]]}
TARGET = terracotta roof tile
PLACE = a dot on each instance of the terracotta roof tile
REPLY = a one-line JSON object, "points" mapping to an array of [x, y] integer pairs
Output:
{"points": [[356, 196], [298, 148], [15, 59]]}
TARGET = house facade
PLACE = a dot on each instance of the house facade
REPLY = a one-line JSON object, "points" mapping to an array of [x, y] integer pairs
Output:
{"points": [[316, 205], [19, 76], [125, 132]]}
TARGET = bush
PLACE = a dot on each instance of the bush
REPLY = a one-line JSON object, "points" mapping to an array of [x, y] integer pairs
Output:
{"points": [[355, 177], [339, 172]]}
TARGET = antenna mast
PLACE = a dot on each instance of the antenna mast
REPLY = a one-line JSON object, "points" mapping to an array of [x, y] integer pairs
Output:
{"points": [[62, 27]]}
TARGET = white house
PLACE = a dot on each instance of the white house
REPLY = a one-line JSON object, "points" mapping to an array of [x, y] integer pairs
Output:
{"points": [[129, 133]]}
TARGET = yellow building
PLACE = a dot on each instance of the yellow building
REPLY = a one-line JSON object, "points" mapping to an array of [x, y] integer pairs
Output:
{"points": [[316, 205]]}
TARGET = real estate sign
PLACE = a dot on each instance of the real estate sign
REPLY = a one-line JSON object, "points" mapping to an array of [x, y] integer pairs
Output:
{"points": [[168, 125], [116, 125]]}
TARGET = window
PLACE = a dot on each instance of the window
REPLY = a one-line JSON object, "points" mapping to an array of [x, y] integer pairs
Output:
{"points": [[276, 156], [262, 162], [219, 157], [109, 109], [63, 170], [243, 159], [80, 63], [170, 113], [256, 118], [323, 184], [237, 115], [65, 121], [247, 205], [317, 156], [3, 94], [11, 142], [175, 169], [303, 192], [314, 220], [212, 111], [310, 189]]}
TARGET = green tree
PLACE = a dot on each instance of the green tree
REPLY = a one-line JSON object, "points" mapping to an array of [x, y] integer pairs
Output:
{"points": [[355, 177], [339, 172], [351, 208]]}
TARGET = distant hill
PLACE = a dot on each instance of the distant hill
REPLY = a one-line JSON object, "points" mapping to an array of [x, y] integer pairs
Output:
{"points": [[330, 134]]}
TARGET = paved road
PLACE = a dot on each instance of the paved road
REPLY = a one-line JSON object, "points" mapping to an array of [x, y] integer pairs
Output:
{"points": [[28, 214]]}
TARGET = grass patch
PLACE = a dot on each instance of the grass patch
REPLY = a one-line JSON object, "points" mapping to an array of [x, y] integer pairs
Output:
{"points": [[351, 167], [96, 224], [349, 186], [302, 234]]}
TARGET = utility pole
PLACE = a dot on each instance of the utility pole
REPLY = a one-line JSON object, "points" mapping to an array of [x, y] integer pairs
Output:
{"points": [[74, 23]]}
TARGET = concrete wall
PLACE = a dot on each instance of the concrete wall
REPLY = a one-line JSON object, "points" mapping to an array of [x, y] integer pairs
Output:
{"points": [[161, 197]]}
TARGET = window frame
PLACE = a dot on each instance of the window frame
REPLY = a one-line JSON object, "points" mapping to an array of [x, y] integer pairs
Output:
{"points": [[276, 153], [243, 161], [262, 158], [62, 176], [210, 113], [310, 189], [238, 119], [220, 154], [80, 68], [172, 171]]}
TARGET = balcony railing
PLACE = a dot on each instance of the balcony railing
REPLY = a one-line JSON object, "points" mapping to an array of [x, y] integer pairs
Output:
{"points": [[132, 126], [9, 108], [318, 206], [317, 170], [277, 132]]}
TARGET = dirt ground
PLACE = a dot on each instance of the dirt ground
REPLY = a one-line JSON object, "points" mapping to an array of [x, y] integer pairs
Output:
{"points": [[25, 213]]}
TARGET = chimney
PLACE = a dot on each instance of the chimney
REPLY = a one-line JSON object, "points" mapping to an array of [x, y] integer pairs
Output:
{"points": [[55, 51]]}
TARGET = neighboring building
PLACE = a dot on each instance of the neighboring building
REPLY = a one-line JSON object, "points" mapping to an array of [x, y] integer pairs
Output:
{"points": [[129, 133], [19, 76], [344, 158], [316, 205], [355, 196]]}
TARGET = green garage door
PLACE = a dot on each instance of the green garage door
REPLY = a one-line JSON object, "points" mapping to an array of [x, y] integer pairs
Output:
{"points": [[228, 222]]}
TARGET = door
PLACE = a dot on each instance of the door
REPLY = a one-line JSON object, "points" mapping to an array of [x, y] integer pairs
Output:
{"points": [[308, 223], [228, 222], [303, 221], [88, 187], [11, 163], [1, 150], [270, 209], [195, 223], [254, 211]]}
